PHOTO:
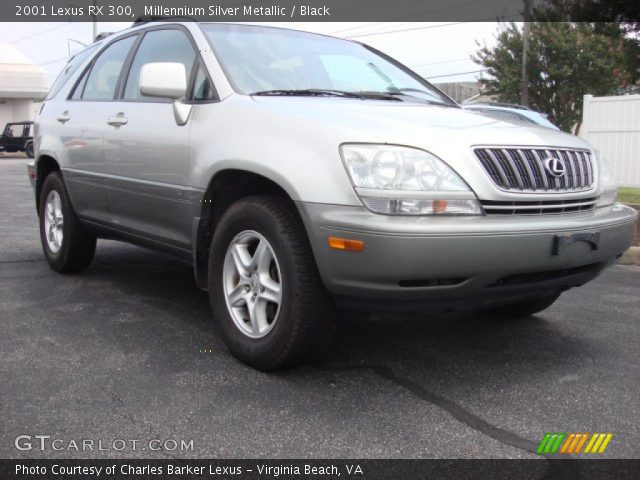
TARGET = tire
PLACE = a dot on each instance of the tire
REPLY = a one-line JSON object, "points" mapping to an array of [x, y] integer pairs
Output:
{"points": [[75, 245], [524, 308], [28, 149], [297, 328]]}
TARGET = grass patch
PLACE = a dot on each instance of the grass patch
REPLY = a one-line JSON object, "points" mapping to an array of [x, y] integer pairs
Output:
{"points": [[629, 195]]}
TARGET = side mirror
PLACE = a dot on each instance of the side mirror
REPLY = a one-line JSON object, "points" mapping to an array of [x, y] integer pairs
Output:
{"points": [[163, 79], [167, 80]]}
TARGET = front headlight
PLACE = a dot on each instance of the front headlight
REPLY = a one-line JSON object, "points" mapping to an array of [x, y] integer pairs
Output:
{"points": [[608, 185], [391, 179]]}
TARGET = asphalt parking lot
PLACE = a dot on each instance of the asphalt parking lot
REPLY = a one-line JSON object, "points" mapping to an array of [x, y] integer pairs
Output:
{"points": [[127, 350]]}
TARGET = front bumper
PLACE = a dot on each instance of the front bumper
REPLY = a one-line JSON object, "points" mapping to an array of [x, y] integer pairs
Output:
{"points": [[440, 263]]}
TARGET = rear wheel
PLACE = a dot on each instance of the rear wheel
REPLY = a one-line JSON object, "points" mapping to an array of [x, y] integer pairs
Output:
{"points": [[266, 294], [67, 245], [524, 308]]}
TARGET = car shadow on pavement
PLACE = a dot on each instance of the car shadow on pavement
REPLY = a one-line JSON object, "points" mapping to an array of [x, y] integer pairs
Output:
{"points": [[439, 359], [443, 347]]}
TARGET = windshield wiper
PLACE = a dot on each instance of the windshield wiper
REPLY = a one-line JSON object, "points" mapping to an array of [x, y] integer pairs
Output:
{"points": [[408, 91], [321, 92], [307, 92]]}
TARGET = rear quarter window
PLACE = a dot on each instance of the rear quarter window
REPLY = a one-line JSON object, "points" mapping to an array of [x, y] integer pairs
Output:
{"points": [[69, 69]]}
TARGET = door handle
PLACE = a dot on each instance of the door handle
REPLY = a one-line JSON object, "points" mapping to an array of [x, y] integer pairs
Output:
{"points": [[118, 120], [64, 118]]}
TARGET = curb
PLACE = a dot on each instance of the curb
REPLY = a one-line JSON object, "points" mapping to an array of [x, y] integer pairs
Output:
{"points": [[630, 257]]}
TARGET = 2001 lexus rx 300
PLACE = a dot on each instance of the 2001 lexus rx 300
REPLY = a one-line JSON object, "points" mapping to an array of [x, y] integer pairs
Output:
{"points": [[298, 172]]}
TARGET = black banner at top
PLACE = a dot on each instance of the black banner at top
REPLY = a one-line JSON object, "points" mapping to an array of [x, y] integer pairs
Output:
{"points": [[317, 10]]}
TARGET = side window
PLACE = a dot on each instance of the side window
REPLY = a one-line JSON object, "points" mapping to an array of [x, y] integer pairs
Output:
{"points": [[69, 70], [202, 88], [159, 46], [77, 93], [103, 79]]}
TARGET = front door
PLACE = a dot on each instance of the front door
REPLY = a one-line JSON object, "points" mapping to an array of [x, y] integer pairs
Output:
{"points": [[147, 152]]}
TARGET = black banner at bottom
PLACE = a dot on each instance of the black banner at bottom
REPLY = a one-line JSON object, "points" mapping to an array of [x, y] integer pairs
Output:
{"points": [[31, 469]]}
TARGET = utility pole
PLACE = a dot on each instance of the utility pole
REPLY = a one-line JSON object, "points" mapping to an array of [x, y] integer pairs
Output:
{"points": [[95, 23], [524, 87]]}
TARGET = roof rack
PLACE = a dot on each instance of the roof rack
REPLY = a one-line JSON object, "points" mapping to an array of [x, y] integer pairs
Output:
{"points": [[102, 36], [160, 18]]}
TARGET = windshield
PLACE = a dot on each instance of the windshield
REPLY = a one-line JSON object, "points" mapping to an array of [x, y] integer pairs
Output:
{"points": [[262, 59]]}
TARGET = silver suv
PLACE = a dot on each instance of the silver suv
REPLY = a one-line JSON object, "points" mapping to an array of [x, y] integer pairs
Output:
{"points": [[299, 172]]}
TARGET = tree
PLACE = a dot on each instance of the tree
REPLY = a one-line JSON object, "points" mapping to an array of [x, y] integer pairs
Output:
{"points": [[565, 62], [618, 19], [624, 14]]}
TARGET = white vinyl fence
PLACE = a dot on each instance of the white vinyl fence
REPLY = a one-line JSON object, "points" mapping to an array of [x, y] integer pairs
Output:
{"points": [[612, 125]]}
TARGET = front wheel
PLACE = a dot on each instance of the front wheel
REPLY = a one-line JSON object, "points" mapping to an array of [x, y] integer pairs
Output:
{"points": [[266, 294], [68, 246], [524, 308]]}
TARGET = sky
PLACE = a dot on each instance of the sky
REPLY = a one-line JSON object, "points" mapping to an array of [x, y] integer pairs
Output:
{"points": [[438, 51]]}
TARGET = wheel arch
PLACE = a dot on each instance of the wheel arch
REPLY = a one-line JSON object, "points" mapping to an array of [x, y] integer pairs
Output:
{"points": [[45, 164], [225, 187]]}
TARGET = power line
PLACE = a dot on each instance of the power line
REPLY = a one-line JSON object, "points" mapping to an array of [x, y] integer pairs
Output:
{"points": [[405, 29], [52, 61], [439, 63], [455, 74], [40, 33], [369, 24], [426, 27]]}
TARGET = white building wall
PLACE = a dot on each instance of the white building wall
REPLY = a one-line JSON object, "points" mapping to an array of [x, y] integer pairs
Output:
{"points": [[612, 125], [6, 112], [21, 82], [17, 110]]}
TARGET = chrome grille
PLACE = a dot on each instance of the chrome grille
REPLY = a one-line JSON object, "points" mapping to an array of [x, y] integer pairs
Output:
{"points": [[523, 170], [493, 207]]}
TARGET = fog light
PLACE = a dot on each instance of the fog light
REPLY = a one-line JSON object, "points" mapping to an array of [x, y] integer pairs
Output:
{"points": [[346, 244]]}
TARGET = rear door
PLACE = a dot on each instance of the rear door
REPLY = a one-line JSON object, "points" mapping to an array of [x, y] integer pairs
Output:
{"points": [[81, 122], [146, 151]]}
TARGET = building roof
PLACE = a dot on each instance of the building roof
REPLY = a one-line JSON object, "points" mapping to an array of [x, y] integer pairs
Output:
{"points": [[19, 77]]}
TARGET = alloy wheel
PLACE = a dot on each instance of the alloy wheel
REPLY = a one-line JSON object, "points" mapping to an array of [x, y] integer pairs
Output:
{"points": [[53, 221], [252, 284]]}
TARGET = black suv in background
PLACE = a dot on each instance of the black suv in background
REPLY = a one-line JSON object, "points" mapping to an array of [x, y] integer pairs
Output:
{"points": [[17, 137]]}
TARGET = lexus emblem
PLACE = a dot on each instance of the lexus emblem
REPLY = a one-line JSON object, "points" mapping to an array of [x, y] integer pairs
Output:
{"points": [[555, 166]]}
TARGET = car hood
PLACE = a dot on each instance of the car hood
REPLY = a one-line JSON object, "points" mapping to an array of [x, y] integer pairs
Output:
{"points": [[411, 123], [297, 140]]}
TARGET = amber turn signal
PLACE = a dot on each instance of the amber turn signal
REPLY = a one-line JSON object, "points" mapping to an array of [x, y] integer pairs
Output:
{"points": [[439, 206], [346, 244]]}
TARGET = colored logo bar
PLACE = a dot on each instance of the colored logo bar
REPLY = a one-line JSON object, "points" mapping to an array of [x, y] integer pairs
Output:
{"points": [[568, 443]]}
